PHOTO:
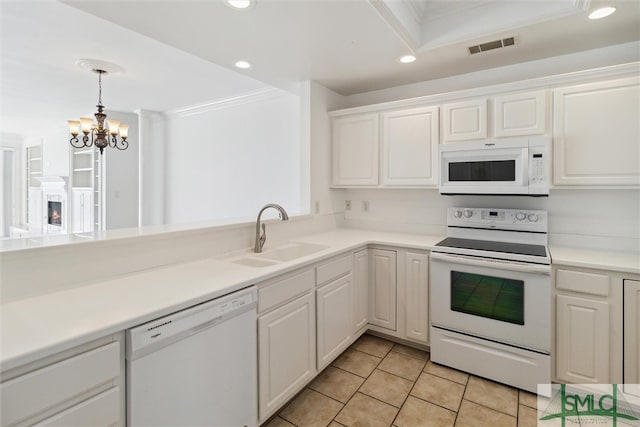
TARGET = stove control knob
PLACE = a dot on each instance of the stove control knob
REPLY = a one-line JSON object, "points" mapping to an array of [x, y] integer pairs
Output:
{"points": [[533, 218], [457, 214], [468, 213], [520, 216]]}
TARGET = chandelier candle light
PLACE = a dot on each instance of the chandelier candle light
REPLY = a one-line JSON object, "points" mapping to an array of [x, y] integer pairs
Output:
{"points": [[101, 135]]}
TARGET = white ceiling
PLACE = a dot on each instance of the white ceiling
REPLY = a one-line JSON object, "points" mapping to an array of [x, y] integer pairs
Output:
{"points": [[180, 52], [352, 46], [41, 87]]}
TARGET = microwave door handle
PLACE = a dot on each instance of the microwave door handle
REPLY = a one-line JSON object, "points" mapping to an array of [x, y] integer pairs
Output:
{"points": [[493, 263], [525, 167]]}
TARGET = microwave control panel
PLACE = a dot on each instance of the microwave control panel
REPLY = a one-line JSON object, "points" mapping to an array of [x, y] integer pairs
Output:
{"points": [[539, 166]]}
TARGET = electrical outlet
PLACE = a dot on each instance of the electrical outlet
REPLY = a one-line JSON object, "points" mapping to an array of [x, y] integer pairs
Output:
{"points": [[317, 207], [347, 205], [365, 206]]}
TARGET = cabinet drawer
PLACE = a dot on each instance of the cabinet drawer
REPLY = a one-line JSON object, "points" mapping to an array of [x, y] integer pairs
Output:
{"points": [[100, 410], [41, 389], [583, 282], [334, 269], [283, 290]]}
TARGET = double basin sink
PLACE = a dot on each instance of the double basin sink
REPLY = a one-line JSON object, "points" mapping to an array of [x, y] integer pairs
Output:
{"points": [[280, 253]]}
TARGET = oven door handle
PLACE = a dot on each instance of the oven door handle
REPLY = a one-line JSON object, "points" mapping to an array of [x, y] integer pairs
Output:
{"points": [[493, 263]]}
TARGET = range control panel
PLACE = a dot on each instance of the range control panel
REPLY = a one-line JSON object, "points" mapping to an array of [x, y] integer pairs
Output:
{"points": [[505, 219]]}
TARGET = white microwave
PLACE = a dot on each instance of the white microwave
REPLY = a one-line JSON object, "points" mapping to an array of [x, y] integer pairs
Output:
{"points": [[506, 167]]}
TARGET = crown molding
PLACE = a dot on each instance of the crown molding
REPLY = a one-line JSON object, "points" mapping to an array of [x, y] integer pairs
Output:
{"points": [[221, 104]]}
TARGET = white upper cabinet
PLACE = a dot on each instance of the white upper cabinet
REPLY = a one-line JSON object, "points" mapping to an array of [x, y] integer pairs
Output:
{"points": [[465, 120], [521, 114], [410, 147], [597, 134], [355, 150]]}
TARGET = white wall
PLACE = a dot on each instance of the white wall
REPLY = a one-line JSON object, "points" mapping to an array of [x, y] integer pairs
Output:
{"points": [[121, 172], [586, 218], [322, 100], [226, 160], [151, 163]]}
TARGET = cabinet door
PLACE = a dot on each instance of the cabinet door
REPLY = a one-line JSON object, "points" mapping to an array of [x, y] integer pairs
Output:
{"points": [[410, 147], [355, 150], [582, 340], [417, 297], [361, 289], [286, 352], [82, 211], [334, 319], [465, 120], [521, 114], [101, 410], [596, 134], [632, 337], [382, 291]]}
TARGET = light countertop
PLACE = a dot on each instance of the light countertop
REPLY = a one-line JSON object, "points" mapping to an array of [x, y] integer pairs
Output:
{"points": [[36, 327], [624, 262], [40, 326]]}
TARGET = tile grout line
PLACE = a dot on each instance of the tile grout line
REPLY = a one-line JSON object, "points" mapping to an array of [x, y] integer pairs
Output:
{"points": [[365, 380], [413, 386]]}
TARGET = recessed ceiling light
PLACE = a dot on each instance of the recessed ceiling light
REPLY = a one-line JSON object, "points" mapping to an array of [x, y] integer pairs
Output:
{"points": [[240, 4], [407, 59], [243, 64], [602, 12]]}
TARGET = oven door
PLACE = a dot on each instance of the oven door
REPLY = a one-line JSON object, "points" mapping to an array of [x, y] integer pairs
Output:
{"points": [[500, 168], [503, 301]]}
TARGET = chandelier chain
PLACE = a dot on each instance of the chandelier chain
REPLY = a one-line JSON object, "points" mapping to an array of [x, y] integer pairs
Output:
{"points": [[100, 87]]}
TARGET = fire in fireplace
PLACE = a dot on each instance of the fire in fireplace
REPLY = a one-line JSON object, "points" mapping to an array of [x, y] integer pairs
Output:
{"points": [[54, 213]]}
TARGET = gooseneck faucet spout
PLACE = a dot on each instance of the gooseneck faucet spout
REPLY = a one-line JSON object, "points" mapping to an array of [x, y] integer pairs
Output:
{"points": [[261, 238]]}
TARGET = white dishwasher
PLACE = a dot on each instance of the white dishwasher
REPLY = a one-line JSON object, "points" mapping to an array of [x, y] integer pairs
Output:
{"points": [[196, 367]]}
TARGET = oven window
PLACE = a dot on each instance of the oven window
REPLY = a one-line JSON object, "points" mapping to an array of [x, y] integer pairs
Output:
{"points": [[487, 296], [496, 170]]}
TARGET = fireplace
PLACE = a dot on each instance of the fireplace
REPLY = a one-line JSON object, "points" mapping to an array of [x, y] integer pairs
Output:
{"points": [[53, 209]]}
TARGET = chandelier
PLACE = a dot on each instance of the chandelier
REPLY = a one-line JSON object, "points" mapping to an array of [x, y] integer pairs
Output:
{"points": [[101, 135]]}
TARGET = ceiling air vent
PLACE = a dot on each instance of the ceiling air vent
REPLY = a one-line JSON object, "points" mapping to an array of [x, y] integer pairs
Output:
{"points": [[496, 44]]}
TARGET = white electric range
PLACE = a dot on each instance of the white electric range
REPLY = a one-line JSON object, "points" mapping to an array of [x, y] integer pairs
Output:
{"points": [[490, 285]]}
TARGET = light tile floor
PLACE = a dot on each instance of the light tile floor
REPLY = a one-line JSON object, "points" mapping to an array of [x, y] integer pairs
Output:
{"points": [[380, 383]]}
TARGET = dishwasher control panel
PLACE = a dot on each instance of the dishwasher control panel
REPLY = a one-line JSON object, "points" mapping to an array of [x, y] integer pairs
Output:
{"points": [[149, 336]]}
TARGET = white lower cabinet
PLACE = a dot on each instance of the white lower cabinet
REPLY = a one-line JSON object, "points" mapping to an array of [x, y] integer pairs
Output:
{"points": [[417, 297], [334, 311], [632, 337], [286, 352], [382, 288], [583, 340], [588, 330], [81, 387], [360, 289]]}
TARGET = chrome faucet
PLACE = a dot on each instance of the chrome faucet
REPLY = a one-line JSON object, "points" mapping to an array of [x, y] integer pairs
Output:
{"points": [[261, 238]]}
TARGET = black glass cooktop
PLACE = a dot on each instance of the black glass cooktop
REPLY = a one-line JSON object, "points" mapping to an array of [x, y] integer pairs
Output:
{"points": [[485, 245]]}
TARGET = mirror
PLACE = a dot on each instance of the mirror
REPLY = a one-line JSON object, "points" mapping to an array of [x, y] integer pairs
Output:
{"points": [[206, 144]]}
